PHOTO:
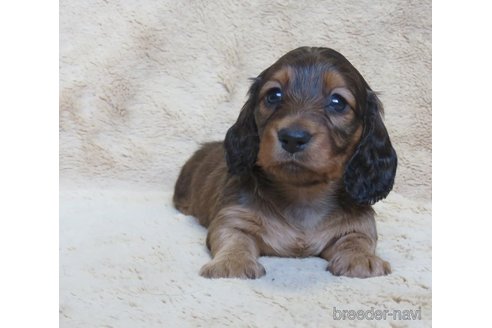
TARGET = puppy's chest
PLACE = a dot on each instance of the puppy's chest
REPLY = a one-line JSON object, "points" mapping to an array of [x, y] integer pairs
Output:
{"points": [[296, 232]]}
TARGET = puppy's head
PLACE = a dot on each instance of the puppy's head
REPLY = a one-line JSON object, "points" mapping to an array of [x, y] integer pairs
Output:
{"points": [[312, 118]]}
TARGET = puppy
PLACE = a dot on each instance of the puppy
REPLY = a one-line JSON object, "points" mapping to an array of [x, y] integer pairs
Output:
{"points": [[297, 173]]}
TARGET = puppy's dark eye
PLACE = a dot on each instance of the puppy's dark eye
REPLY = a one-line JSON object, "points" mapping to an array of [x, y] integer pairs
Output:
{"points": [[336, 103], [273, 97]]}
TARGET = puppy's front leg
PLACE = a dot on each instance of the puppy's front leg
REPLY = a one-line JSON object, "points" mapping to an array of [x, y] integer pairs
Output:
{"points": [[234, 249], [353, 255]]}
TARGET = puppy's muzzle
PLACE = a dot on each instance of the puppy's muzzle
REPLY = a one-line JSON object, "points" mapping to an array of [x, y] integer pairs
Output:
{"points": [[293, 140]]}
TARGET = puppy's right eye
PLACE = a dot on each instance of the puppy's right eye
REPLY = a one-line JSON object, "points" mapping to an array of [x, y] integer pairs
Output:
{"points": [[273, 97]]}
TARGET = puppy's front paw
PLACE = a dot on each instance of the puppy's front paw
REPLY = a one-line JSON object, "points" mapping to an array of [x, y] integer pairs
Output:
{"points": [[358, 265], [230, 267]]}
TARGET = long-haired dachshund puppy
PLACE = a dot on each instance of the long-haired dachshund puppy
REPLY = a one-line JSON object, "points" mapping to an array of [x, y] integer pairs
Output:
{"points": [[297, 173]]}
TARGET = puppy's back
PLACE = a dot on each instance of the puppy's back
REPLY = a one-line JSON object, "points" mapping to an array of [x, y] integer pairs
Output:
{"points": [[192, 190]]}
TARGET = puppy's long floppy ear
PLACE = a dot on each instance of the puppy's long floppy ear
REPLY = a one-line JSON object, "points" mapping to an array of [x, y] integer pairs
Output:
{"points": [[370, 173], [242, 141]]}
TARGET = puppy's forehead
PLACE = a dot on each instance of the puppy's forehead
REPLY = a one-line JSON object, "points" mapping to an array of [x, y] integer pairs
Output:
{"points": [[310, 66], [305, 79]]}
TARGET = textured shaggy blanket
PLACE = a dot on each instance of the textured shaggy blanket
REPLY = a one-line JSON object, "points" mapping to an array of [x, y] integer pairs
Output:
{"points": [[143, 83]]}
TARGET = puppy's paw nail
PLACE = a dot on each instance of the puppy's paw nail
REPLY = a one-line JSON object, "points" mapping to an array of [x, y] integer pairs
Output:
{"points": [[359, 266], [233, 268]]}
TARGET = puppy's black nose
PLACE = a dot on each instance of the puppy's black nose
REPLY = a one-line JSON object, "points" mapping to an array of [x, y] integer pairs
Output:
{"points": [[293, 140]]}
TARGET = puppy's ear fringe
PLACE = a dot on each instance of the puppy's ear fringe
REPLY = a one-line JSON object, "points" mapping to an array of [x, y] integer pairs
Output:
{"points": [[242, 141], [370, 173]]}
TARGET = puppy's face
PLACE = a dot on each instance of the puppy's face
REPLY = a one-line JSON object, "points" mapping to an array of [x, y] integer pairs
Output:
{"points": [[308, 122], [312, 118]]}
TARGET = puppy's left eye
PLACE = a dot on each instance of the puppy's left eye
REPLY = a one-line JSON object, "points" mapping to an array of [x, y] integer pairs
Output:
{"points": [[336, 103], [273, 97]]}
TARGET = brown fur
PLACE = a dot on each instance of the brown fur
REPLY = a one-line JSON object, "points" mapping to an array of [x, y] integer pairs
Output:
{"points": [[292, 205]]}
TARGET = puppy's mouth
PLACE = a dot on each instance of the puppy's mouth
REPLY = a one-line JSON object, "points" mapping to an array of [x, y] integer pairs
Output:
{"points": [[294, 168], [292, 165], [295, 173]]}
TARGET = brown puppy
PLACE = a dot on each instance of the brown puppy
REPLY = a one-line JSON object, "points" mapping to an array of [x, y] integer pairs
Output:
{"points": [[297, 172]]}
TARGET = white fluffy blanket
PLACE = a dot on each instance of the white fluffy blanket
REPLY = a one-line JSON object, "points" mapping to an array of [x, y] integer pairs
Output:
{"points": [[142, 83]]}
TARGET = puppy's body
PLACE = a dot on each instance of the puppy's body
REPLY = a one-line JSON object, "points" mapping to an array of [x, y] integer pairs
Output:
{"points": [[265, 191]]}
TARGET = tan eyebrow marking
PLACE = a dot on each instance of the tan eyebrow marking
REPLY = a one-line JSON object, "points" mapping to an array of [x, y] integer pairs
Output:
{"points": [[335, 83], [334, 80], [279, 79]]}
